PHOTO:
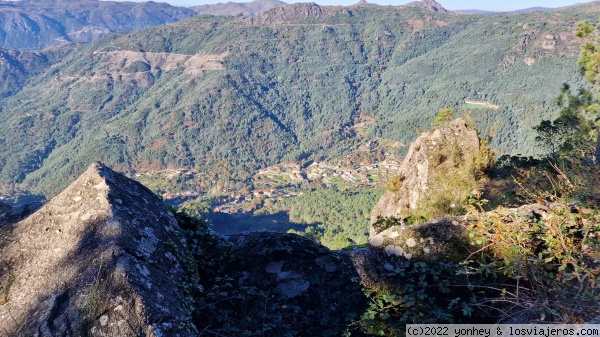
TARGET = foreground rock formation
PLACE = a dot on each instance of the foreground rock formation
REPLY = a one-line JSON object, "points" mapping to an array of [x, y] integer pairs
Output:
{"points": [[102, 257], [313, 291], [445, 239]]}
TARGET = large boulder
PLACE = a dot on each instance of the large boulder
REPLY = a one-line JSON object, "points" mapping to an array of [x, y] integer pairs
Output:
{"points": [[440, 170], [102, 258]]}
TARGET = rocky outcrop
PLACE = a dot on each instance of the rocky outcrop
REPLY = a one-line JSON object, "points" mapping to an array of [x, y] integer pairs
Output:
{"points": [[102, 258], [433, 160], [443, 239], [289, 13]]}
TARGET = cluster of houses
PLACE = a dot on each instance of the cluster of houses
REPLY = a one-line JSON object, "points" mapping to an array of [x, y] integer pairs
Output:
{"points": [[169, 173], [271, 181], [234, 203], [324, 172], [363, 174]]}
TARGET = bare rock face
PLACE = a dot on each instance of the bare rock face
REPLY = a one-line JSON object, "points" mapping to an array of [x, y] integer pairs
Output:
{"points": [[102, 258], [445, 239], [294, 12], [433, 159]]}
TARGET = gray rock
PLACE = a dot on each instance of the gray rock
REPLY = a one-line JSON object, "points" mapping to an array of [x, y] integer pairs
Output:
{"points": [[444, 239], [102, 258], [440, 240]]}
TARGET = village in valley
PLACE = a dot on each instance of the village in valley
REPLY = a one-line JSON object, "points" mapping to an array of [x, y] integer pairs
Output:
{"points": [[369, 166]]}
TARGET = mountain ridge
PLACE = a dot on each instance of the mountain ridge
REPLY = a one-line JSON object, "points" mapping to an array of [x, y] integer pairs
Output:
{"points": [[30, 24], [238, 8]]}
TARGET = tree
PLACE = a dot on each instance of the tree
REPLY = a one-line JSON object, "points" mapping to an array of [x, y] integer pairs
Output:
{"points": [[572, 134], [548, 135], [445, 115], [589, 61]]}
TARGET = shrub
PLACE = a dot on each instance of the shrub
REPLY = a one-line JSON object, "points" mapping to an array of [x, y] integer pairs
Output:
{"points": [[395, 183]]}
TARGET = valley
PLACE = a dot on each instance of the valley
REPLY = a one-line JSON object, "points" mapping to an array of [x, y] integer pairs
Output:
{"points": [[245, 105], [265, 201]]}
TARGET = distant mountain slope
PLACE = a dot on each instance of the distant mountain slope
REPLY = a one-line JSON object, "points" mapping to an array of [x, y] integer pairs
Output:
{"points": [[534, 9], [227, 96], [239, 8], [32, 24], [431, 5], [525, 10], [17, 66]]}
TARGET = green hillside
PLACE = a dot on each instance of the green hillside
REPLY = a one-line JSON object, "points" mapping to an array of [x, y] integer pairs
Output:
{"points": [[228, 96]]}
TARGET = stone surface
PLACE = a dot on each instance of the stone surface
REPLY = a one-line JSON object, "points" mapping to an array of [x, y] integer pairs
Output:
{"points": [[444, 239], [430, 5], [428, 158], [440, 239], [99, 259], [321, 284]]}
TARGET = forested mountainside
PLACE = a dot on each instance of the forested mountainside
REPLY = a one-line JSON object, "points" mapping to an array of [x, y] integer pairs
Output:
{"points": [[238, 8], [32, 24], [228, 96], [17, 66]]}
